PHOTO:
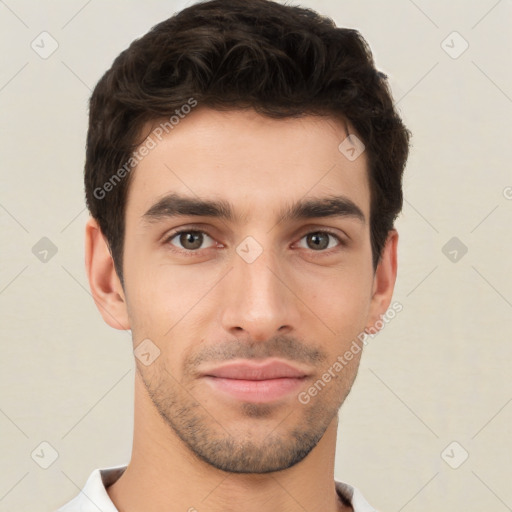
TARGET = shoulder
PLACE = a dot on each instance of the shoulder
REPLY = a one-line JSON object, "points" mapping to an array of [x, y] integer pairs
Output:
{"points": [[93, 496], [352, 496]]}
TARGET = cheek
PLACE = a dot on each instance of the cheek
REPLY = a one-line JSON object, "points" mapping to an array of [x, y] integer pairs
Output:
{"points": [[341, 298], [162, 300], [149, 296]]}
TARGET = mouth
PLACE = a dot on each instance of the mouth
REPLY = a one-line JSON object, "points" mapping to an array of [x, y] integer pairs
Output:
{"points": [[253, 382]]}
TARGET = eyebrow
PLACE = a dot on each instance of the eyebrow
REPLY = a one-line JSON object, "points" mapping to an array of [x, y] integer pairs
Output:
{"points": [[175, 205]]}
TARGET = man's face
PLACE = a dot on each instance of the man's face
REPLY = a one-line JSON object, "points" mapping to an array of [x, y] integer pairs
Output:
{"points": [[252, 288]]}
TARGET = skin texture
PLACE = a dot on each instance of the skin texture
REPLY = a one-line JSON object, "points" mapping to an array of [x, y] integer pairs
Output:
{"points": [[193, 445]]}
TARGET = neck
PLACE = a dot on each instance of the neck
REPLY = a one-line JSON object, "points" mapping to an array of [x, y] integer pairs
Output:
{"points": [[163, 474]]}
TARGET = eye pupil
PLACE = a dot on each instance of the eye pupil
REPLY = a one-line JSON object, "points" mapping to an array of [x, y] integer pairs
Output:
{"points": [[193, 240], [189, 236], [316, 237]]}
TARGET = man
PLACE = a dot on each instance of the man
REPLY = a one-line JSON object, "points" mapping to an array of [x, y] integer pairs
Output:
{"points": [[243, 174]]}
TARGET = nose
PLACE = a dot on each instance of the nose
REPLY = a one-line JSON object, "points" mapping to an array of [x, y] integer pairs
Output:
{"points": [[258, 299]]}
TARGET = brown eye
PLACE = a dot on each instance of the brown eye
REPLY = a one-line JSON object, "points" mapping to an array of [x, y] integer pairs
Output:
{"points": [[320, 240], [188, 239]]}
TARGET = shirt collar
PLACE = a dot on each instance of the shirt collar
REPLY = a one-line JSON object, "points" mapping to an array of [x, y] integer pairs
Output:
{"points": [[94, 497]]}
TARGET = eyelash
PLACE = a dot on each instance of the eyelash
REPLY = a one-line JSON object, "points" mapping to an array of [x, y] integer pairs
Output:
{"points": [[189, 252]]}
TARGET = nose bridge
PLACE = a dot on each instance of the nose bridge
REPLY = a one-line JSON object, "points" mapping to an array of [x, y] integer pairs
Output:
{"points": [[257, 300]]}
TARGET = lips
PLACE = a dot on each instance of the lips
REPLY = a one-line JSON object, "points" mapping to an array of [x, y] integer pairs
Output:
{"points": [[252, 382], [253, 371]]}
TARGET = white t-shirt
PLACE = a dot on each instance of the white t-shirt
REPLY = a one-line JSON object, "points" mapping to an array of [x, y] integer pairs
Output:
{"points": [[94, 497]]}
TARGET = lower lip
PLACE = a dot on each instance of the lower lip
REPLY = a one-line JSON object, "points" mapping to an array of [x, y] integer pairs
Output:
{"points": [[256, 390]]}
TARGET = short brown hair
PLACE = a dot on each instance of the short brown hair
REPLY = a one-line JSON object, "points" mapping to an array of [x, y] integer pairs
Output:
{"points": [[281, 60]]}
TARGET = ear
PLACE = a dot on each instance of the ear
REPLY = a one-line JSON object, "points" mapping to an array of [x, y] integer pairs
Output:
{"points": [[383, 283], [105, 285]]}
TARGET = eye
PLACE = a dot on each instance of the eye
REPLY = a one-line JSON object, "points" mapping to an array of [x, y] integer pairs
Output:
{"points": [[319, 240], [190, 240]]}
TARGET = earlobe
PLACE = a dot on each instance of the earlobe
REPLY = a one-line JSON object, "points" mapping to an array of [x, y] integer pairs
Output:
{"points": [[383, 282], [104, 283]]}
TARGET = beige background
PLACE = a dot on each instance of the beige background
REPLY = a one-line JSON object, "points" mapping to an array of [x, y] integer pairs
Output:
{"points": [[438, 373]]}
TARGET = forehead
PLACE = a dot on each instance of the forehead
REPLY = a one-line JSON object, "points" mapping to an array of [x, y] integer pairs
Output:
{"points": [[251, 164]]}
